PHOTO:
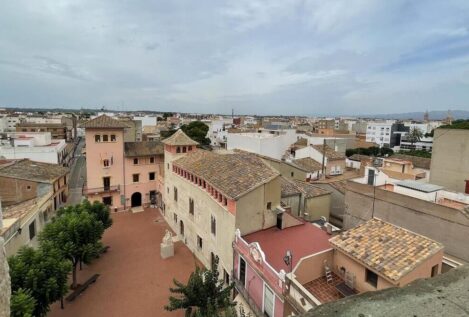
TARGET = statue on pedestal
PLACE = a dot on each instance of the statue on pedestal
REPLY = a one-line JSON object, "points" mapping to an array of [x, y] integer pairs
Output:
{"points": [[167, 245]]}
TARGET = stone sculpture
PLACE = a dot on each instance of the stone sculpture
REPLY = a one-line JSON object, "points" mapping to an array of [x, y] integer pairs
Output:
{"points": [[167, 245]]}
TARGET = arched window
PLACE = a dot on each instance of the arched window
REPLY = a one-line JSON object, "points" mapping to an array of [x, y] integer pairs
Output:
{"points": [[178, 150]]}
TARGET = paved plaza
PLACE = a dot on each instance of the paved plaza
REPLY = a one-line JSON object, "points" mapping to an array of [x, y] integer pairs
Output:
{"points": [[134, 280]]}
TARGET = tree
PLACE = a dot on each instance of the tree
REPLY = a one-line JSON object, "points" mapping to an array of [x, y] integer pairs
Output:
{"points": [[98, 209], [204, 295], [77, 236], [41, 274], [22, 303], [197, 131], [415, 135]]}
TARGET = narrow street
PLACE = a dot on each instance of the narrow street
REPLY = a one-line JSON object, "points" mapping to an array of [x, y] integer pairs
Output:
{"points": [[77, 175]]}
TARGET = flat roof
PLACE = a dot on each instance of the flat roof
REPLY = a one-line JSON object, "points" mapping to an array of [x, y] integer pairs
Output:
{"points": [[422, 187]]}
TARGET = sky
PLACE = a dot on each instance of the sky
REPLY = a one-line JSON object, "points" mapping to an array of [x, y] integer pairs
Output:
{"points": [[288, 57]]}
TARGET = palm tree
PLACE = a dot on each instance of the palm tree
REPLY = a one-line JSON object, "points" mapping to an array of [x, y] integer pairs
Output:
{"points": [[204, 294], [415, 135]]}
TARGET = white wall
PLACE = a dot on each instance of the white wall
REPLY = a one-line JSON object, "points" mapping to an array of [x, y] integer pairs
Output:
{"points": [[46, 154]]}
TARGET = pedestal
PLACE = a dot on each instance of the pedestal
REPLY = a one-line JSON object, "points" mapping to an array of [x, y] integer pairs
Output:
{"points": [[167, 250]]}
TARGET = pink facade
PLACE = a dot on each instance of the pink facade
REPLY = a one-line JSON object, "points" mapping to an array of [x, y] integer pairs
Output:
{"points": [[261, 284], [112, 176]]}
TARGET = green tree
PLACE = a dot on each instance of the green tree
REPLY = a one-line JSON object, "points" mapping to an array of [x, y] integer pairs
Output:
{"points": [[41, 274], [22, 303], [204, 295], [197, 131], [98, 209], [76, 235]]}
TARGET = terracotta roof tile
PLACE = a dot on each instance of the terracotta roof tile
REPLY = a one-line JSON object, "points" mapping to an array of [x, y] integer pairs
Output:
{"points": [[104, 122], [385, 248], [308, 164], [232, 174], [34, 171], [144, 148], [288, 188], [310, 190], [179, 138], [330, 153]]}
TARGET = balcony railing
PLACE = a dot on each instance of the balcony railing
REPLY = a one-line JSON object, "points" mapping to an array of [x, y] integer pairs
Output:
{"points": [[241, 290], [99, 190]]}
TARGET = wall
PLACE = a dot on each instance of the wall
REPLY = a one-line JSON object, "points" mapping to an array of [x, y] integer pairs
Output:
{"points": [[13, 190], [441, 223], [357, 269], [318, 207], [450, 163], [312, 267], [337, 208], [424, 270]]}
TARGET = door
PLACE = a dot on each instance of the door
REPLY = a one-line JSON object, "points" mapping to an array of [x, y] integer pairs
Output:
{"points": [[136, 199], [242, 271], [181, 228], [371, 177], [268, 302], [106, 183], [279, 220]]}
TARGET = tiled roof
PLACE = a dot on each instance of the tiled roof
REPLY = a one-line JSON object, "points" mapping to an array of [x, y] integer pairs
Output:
{"points": [[104, 122], [330, 153], [288, 188], [418, 162], [35, 124], [144, 148], [232, 174], [310, 190], [34, 171], [301, 240], [179, 138], [308, 164], [359, 157], [387, 249]]}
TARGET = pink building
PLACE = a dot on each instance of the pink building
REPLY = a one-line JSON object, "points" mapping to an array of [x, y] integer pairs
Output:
{"points": [[259, 266], [121, 174]]}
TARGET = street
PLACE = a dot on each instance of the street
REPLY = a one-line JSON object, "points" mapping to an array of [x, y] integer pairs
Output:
{"points": [[77, 175]]}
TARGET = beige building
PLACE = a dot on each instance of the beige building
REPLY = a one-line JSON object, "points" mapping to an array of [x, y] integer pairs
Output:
{"points": [[450, 159], [209, 195]]}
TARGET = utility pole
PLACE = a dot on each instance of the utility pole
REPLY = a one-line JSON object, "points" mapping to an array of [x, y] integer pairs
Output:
{"points": [[323, 167]]}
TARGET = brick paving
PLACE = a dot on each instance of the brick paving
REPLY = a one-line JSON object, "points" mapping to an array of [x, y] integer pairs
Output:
{"points": [[324, 291], [134, 280]]}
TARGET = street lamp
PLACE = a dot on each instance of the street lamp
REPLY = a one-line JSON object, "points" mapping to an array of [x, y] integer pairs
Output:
{"points": [[288, 259]]}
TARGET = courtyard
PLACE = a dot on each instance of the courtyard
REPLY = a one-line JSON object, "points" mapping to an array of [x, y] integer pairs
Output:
{"points": [[134, 280]]}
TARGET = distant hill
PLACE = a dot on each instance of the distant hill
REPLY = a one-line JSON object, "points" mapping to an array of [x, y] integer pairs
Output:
{"points": [[434, 115]]}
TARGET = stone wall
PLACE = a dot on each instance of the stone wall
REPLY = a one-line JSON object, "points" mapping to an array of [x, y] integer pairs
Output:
{"points": [[5, 287]]}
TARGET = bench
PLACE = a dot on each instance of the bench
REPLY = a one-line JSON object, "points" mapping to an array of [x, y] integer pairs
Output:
{"points": [[345, 290], [80, 289]]}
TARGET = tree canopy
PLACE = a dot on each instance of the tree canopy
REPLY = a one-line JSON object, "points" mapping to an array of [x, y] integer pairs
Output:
{"points": [[77, 236], [204, 295], [196, 130], [371, 151], [98, 209], [22, 303], [41, 274]]}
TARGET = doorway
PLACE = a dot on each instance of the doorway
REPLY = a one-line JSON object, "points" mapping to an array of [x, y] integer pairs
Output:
{"points": [[242, 271], [136, 199], [181, 228]]}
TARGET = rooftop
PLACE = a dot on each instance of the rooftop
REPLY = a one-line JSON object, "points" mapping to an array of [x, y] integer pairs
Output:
{"points": [[34, 124], [422, 187], [385, 248], [301, 240], [309, 190], [418, 162], [443, 295], [359, 157], [179, 138], [330, 153], [232, 174], [288, 188], [33, 171], [308, 164], [104, 122], [144, 148]]}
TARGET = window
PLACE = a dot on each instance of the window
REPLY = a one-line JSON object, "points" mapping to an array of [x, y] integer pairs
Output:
{"points": [[434, 270], [226, 277], [178, 150], [135, 161], [97, 138], [32, 230], [190, 148], [184, 149], [371, 278], [175, 218], [151, 176], [106, 183], [167, 165], [106, 163], [105, 138], [268, 302], [107, 201], [292, 174], [135, 177], [200, 243], [113, 138], [269, 205], [213, 225], [175, 194], [191, 206], [28, 187], [152, 160]]}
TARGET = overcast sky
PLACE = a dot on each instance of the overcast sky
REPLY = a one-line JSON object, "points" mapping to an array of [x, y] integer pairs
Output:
{"points": [[261, 57]]}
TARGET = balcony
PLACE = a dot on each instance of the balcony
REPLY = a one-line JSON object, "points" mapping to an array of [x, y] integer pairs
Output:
{"points": [[100, 190]]}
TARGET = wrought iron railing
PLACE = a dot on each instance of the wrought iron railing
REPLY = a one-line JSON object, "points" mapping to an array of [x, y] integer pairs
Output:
{"points": [[99, 190]]}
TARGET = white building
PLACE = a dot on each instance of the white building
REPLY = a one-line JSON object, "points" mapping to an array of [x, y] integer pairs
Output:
{"points": [[36, 146], [8, 123], [218, 130], [380, 133], [147, 120], [273, 144]]}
